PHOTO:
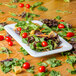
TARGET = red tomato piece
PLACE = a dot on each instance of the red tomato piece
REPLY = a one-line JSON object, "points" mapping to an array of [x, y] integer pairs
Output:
{"points": [[44, 43], [1, 38], [70, 34], [24, 35], [10, 43], [42, 69], [19, 28], [21, 5], [27, 6], [26, 65], [62, 20], [8, 38], [60, 26]]}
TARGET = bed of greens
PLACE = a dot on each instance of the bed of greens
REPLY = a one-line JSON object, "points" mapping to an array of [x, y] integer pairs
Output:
{"points": [[39, 38]]}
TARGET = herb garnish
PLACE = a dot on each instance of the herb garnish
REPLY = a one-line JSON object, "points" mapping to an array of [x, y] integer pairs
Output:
{"points": [[2, 12], [15, 1], [8, 65], [32, 15], [41, 8], [24, 15], [42, 64], [1, 28], [54, 62], [71, 60], [42, 74], [35, 5], [72, 71], [13, 19], [31, 69], [5, 51], [11, 6], [58, 17], [66, 53], [13, 14], [23, 51], [54, 73], [59, 11]]}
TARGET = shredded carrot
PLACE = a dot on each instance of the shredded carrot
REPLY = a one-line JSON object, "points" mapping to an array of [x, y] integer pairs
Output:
{"points": [[43, 35], [42, 29], [59, 47]]}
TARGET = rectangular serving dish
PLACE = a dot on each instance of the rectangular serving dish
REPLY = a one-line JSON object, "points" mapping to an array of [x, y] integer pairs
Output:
{"points": [[66, 46]]}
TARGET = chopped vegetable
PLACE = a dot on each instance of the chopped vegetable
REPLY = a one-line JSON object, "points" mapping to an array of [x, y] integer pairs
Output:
{"points": [[42, 74], [13, 19], [26, 65], [8, 38], [42, 69], [24, 35], [58, 17], [54, 62], [72, 71], [9, 64], [17, 69], [23, 51], [60, 26], [41, 8], [1, 28], [19, 28], [10, 43], [2, 12], [1, 38], [54, 73], [15, 1], [71, 60], [27, 6], [59, 11], [66, 53], [13, 14], [44, 44], [42, 64], [11, 6], [35, 5], [24, 14], [70, 34], [5, 51], [31, 69], [21, 5]]}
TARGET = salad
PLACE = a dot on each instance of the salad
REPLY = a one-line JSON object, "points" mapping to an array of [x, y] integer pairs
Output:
{"points": [[38, 38]]}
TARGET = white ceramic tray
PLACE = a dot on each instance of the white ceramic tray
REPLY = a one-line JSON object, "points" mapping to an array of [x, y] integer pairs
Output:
{"points": [[66, 46]]}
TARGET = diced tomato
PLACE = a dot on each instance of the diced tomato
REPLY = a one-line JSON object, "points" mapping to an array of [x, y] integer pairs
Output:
{"points": [[60, 26], [26, 65], [70, 34]]}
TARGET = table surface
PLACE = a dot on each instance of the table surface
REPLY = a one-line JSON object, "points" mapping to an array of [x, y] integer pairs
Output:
{"points": [[52, 6]]}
